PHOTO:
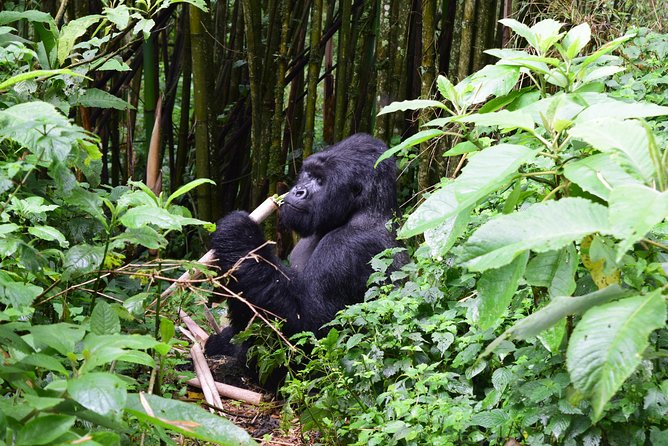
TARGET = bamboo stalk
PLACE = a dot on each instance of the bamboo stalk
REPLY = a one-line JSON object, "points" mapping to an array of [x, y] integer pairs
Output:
{"points": [[232, 392], [264, 210], [200, 335], [203, 372]]}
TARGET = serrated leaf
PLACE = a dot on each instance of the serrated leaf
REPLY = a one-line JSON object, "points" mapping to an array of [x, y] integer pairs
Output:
{"points": [[496, 288], [607, 345], [634, 211], [119, 16], [598, 174], [555, 311], [418, 138], [486, 172], [149, 215], [554, 270], [412, 104], [541, 227], [187, 419], [495, 418], [94, 97], [103, 393], [49, 233], [627, 139], [71, 32], [104, 320], [17, 294]]}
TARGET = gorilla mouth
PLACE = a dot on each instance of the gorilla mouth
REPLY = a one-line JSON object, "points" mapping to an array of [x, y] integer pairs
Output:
{"points": [[295, 207]]}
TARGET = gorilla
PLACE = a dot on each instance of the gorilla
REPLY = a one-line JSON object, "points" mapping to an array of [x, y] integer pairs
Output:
{"points": [[339, 206]]}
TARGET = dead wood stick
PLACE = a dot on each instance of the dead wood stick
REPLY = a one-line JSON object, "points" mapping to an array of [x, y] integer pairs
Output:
{"points": [[205, 377], [263, 211], [195, 329], [232, 392]]}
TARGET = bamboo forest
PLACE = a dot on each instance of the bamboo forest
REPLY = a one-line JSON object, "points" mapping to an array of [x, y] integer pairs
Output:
{"points": [[334, 222]]}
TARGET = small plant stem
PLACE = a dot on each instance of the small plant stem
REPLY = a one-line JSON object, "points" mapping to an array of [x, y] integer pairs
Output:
{"points": [[554, 191]]}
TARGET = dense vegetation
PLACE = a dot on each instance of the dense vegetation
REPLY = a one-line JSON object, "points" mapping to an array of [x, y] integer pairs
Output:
{"points": [[534, 310]]}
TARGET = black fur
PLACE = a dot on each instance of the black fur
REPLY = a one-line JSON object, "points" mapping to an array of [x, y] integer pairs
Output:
{"points": [[340, 206]]}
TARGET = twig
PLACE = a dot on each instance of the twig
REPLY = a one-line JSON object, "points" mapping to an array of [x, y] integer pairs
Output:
{"points": [[232, 392], [212, 321]]}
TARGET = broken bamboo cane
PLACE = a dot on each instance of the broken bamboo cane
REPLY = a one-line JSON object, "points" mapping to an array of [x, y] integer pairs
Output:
{"points": [[263, 211]]}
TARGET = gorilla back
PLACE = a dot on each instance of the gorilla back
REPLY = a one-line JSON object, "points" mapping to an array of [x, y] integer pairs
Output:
{"points": [[340, 206]]}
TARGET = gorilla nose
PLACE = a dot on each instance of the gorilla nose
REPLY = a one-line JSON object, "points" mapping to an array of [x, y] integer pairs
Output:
{"points": [[300, 192]]}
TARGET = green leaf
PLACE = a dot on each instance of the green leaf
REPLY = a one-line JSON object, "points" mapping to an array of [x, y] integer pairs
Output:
{"points": [[603, 50], [49, 233], [145, 236], [187, 188], [187, 419], [144, 26], [7, 228], [492, 80], [61, 337], [82, 259], [495, 418], [104, 320], [523, 59], [150, 215], [94, 97], [103, 393], [541, 227], [627, 139], [462, 148], [496, 288], [521, 30], [113, 65], [598, 174], [18, 295], [418, 138], [576, 39], [31, 16], [486, 172], [119, 16], [44, 429], [36, 74], [413, 104], [606, 107], [71, 32], [447, 90], [634, 211], [505, 120], [443, 237], [166, 329], [607, 345], [554, 270], [546, 34], [104, 349], [45, 362], [558, 308]]}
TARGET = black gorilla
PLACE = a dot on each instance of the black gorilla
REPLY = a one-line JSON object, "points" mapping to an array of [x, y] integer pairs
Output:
{"points": [[340, 206]]}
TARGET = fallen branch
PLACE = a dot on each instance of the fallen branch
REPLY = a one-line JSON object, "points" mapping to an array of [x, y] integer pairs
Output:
{"points": [[200, 335], [263, 211], [205, 377], [232, 392]]}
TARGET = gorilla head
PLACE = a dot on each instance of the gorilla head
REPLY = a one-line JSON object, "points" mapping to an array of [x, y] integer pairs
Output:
{"points": [[339, 182]]}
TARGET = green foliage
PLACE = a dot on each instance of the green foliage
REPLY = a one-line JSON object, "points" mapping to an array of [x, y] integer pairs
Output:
{"points": [[551, 329]]}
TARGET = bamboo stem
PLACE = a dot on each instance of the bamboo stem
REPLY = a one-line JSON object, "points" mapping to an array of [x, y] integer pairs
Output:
{"points": [[232, 392]]}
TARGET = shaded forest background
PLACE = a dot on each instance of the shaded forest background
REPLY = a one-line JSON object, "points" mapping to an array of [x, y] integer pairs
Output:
{"points": [[242, 93]]}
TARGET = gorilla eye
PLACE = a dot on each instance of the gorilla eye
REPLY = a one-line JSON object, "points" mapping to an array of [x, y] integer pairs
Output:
{"points": [[319, 181]]}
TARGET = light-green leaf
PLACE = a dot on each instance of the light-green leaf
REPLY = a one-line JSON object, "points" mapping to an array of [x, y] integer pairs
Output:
{"points": [[634, 211], [496, 288], [505, 120], [447, 90], [187, 419], [187, 188], [49, 233], [82, 259], [541, 227], [36, 74], [598, 174], [486, 172], [607, 345], [146, 214], [576, 39], [104, 320], [554, 270], [412, 104], [103, 393], [492, 80], [94, 97], [119, 16], [44, 429], [71, 32], [418, 138]]}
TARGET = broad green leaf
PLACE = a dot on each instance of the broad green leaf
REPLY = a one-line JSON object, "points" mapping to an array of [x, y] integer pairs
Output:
{"points": [[36, 74], [61, 337], [546, 34], [104, 320], [634, 211], [576, 39], [518, 59], [554, 270], [521, 30], [491, 419], [7, 228], [71, 32], [505, 120], [560, 307], [447, 90], [601, 72], [42, 403], [49, 233], [187, 188], [418, 138], [413, 104], [119, 16], [443, 237], [45, 362], [627, 139], [201, 4], [104, 349], [17, 294], [82, 259], [166, 329], [44, 429], [144, 236], [187, 419], [103, 393], [462, 148], [606, 107], [598, 174], [31, 15], [113, 65], [541, 227], [492, 80], [149, 215], [496, 288], [486, 172], [552, 337], [510, 99], [94, 97], [607, 345], [605, 49]]}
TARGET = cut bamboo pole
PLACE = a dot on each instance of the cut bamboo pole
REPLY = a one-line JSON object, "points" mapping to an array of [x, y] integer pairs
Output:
{"points": [[200, 335], [211, 394], [232, 392], [263, 211]]}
